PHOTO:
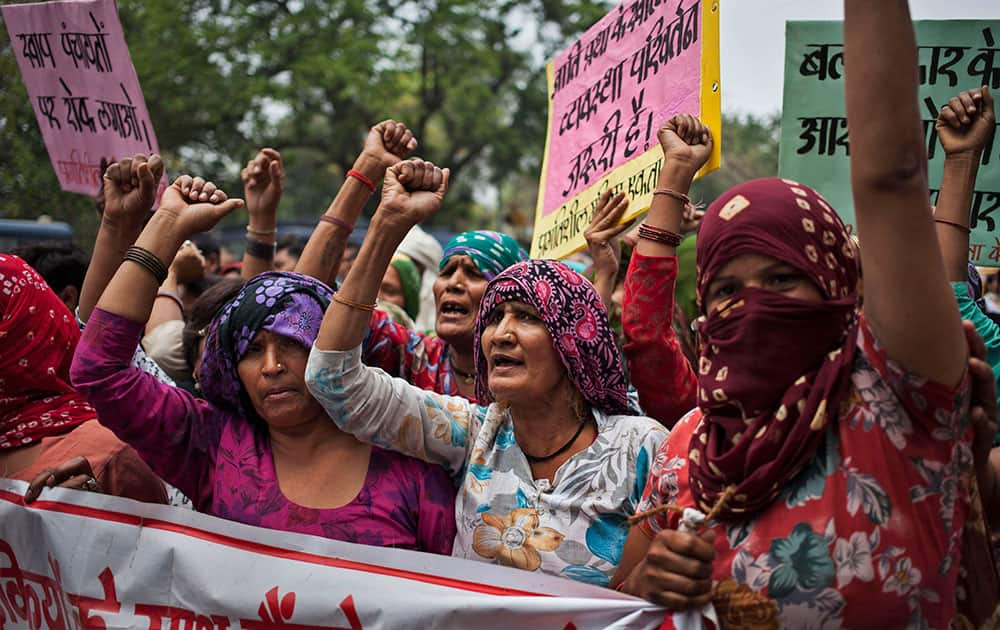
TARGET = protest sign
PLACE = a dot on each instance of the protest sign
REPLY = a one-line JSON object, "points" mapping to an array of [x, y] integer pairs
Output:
{"points": [[76, 559], [609, 93], [82, 85], [954, 55]]}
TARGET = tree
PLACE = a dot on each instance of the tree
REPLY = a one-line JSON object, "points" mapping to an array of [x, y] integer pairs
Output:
{"points": [[224, 77]]}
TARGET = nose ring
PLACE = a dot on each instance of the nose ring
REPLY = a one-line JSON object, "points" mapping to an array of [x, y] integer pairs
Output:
{"points": [[280, 366], [508, 336]]}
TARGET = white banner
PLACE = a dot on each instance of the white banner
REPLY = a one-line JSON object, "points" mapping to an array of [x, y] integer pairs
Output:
{"points": [[75, 559]]}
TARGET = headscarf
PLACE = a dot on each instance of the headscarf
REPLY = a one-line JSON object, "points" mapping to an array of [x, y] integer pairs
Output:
{"points": [[280, 302], [38, 335], [975, 284], [425, 252], [409, 280], [491, 251], [773, 369], [577, 322]]}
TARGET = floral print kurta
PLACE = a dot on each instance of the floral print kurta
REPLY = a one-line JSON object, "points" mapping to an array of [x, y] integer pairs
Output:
{"points": [[869, 534], [574, 527]]}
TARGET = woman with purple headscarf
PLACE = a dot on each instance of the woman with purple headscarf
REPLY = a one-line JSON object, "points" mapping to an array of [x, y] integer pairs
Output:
{"points": [[550, 464], [258, 449]]}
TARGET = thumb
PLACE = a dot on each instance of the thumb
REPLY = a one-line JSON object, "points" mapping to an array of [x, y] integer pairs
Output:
{"points": [[147, 183], [987, 105], [156, 166], [224, 208], [443, 188]]}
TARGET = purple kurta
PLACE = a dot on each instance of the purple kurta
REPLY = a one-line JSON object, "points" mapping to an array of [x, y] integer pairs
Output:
{"points": [[226, 466]]}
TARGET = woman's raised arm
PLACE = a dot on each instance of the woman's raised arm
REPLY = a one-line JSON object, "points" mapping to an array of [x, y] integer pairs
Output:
{"points": [[907, 300]]}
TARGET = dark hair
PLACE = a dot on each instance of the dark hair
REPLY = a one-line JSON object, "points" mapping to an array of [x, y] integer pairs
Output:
{"points": [[204, 310], [292, 243], [61, 263], [207, 243]]}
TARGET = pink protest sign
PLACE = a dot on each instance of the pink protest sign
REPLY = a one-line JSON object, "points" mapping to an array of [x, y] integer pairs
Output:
{"points": [[82, 84], [610, 92]]}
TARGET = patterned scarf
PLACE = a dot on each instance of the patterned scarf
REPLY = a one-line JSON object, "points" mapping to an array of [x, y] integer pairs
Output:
{"points": [[283, 303], [772, 369], [38, 335], [577, 322], [491, 251]]}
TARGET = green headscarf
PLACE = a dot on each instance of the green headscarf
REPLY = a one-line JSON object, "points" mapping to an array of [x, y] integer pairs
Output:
{"points": [[409, 278]]}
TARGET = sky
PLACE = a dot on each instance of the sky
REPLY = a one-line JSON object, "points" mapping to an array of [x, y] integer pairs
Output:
{"points": [[753, 42]]}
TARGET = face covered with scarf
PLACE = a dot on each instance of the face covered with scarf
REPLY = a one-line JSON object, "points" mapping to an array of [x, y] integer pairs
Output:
{"points": [[250, 366], [777, 285], [576, 330], [38, 335], [470, 261]]}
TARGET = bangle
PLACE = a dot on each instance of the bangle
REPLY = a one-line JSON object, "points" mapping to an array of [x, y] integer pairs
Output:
{"points": [[673, 193], [260, 249], [172, 296], [648, 232], [953, 224], [262, 232], [351, 303], [338, 222], [361, 177], [148, 261]]}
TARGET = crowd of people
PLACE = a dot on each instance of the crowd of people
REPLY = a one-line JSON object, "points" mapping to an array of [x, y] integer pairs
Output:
{"points": [[755, 425]]}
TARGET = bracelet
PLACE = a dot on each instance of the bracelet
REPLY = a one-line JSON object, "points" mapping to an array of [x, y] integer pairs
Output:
{"points": [[673, 193], [659, 235], [338, 222], [148, 261], [262, 232], [351, 303], [959, 226], [171, 296], [361, 177], [260, 249]]}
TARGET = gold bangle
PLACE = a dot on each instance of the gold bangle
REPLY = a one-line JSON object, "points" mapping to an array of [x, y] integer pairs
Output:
{"points": [[352, 304], [262, 232]]}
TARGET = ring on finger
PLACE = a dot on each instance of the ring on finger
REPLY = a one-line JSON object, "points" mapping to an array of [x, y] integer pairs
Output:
{"points": [[91, 485]]}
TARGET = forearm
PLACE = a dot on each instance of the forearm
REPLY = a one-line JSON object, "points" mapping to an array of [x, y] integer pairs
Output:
{"points": [[113, 240], [376, 408], [344, 327], [262, 227], [913, 315], [666, 212], [322, 254], [165, 308], [657, 367], [604, 282], [886, 134], [132, 290], [954, 201]]}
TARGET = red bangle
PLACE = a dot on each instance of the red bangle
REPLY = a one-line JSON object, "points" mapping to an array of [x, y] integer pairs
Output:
{"points": [[679, 196], [338, 222], [660, 235], [358, 175]]}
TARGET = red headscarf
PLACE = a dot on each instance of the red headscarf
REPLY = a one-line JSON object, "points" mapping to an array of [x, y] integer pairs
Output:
{"points": [[38, 335], [772, 369]]}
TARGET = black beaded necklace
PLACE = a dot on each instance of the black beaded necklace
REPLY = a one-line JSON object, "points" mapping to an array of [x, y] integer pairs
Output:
{"points": [[563, 449]]}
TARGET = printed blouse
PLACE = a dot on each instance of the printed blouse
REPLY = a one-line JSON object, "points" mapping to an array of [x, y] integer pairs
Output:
{"points": [[574, 527], [868, 535]]}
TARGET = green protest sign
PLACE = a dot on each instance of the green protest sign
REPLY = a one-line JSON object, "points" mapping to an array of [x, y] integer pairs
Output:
{"points": [[954, 55]]}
